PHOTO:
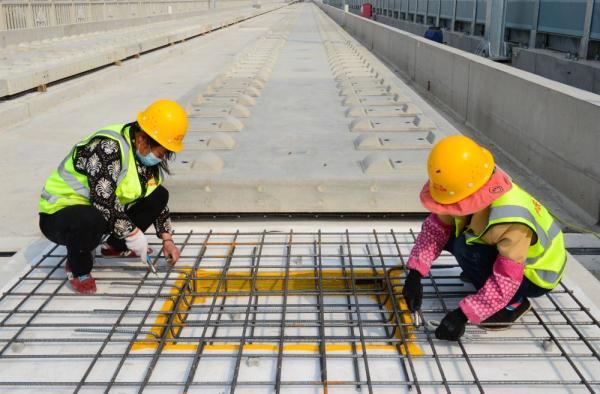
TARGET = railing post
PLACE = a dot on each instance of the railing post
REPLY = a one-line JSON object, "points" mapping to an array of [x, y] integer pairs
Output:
{"points": [[454, 5], [587, 28], [29, 23], [72, 13], [3, 24], [52, 13], [534, 24], [473, 18]]}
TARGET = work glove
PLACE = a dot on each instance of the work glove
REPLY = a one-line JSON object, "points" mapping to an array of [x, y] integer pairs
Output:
{"points": [[452, 327], [413, 291], [138, 243]]}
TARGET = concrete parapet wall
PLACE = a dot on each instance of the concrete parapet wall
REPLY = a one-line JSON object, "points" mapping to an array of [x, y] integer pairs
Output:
{"points": [[583, 74], [551, 128]]}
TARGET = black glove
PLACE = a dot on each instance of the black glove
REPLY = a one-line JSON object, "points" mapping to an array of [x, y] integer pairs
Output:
{"points": [[452, 327], [413, 290]]}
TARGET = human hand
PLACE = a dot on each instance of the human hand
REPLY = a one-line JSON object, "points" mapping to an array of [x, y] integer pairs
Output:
{"points": [[413, 291], [171, 251], [452, 327]]}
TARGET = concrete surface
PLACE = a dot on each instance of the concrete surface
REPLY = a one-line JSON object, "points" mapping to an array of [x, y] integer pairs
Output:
{"points": [[32, 64], [295, 150], [587, 247], [295, 154], [583, 74], [49, 135], [549, 127]]}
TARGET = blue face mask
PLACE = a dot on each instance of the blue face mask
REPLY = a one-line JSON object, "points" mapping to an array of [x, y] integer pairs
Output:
{"points": [[148, 160]]}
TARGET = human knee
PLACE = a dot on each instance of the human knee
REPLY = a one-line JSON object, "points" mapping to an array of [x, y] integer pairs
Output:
{"points": [[160, 197], [92, 227]]}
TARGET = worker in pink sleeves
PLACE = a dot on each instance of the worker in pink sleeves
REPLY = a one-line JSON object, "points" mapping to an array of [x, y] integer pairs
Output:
{"points": [[507, 244]]}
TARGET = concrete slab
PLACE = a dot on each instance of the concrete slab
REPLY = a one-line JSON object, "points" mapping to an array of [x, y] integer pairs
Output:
{"points": [[32, 64], [284, 157], [115, 97]]}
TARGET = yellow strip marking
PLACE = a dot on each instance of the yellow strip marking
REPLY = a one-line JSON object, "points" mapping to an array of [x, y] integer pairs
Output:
{"points": [[207, 281]]}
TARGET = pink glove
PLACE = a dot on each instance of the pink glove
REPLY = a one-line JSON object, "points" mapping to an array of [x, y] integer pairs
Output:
{"points": [[497, 291], [430, 242]]}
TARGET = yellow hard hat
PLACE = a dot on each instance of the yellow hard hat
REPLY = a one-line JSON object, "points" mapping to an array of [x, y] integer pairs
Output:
{"points": [[166, 122], [457, 168]]}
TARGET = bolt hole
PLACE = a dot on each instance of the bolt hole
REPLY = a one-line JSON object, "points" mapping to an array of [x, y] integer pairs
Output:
{"points": [[398, 161], [184, 161], [386, 140], [421, 139]]}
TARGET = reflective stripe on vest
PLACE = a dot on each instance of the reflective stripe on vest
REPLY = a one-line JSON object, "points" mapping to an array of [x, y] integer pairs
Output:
{"points": [[546, 259], [73, 182], [550, 276], [545, 237]]}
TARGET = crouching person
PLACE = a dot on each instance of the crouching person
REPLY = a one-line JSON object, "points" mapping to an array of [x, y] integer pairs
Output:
{"points": [[507, 244], [110, 184]]}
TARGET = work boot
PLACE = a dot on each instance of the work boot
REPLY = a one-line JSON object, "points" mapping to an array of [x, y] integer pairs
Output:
{"points": [[505, 317], [84, 284], [108, 251]]}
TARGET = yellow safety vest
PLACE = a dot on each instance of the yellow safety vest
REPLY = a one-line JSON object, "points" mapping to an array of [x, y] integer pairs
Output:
{"points": [[546, 259], [66, 186]]}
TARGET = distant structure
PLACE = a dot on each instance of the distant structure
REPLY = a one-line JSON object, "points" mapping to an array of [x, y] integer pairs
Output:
{"points": [[556, 39]]}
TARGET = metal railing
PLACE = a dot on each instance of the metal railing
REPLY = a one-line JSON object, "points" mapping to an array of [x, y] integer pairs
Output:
{"points": [[28, 14]]}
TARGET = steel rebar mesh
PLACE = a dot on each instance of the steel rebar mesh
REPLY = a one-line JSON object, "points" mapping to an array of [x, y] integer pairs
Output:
{"points": [[274, 311]]}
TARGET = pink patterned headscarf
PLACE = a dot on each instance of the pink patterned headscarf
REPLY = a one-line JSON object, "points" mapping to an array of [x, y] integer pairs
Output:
{"points": [[498, 184]]}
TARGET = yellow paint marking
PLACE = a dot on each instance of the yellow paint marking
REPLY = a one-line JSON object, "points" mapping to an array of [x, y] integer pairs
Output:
{"points": [[207, 281]]}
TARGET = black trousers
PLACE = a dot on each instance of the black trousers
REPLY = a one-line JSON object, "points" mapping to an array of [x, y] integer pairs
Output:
{"points": [[81, 228], [477, 262]]}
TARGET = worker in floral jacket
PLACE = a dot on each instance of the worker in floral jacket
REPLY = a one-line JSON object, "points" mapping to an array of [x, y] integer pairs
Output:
{"points": [[110, 184], [507, 244]]}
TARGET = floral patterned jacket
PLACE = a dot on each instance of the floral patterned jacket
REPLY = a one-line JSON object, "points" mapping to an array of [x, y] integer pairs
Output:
{"points": [[100, 161]]}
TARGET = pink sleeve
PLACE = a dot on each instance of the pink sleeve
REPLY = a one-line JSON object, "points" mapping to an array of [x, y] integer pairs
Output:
{"points": [[430, 242], [497, 291]]}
